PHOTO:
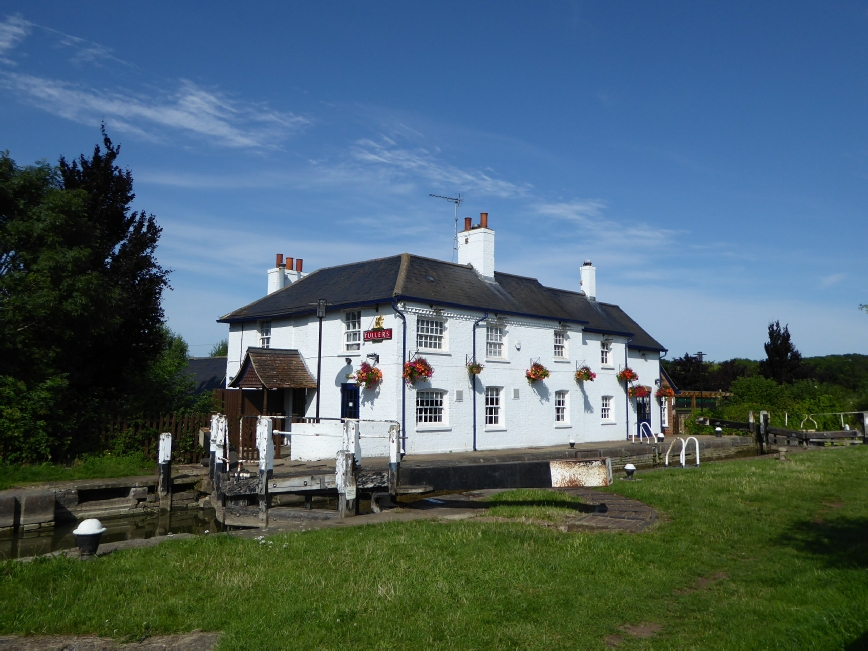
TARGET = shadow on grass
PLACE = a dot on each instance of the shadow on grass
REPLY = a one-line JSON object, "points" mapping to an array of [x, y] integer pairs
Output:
{"points": [[859, 644], [842, 542], [440, 503]]}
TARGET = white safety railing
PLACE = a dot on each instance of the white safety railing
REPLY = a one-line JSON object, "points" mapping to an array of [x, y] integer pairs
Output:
{"points": [[683, 455], [645, 432]]}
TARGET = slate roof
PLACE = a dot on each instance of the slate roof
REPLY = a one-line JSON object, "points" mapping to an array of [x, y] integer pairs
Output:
{"points": [[273, 368], [207, 373], [446, 284]]}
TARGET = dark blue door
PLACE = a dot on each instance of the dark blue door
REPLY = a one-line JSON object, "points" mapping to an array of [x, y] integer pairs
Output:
{"points": [[643, 414], [349, 400]]}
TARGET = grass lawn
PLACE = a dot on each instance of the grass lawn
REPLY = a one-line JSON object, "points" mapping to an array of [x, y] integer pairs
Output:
{"points": [[92, 467], [753, 554]]}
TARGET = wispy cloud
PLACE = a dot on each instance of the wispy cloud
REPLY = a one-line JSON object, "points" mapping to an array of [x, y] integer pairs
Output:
{"points": [[832, 279], [424, 164], [85, 51], [590, 216], [12, 31], [190, 108]]}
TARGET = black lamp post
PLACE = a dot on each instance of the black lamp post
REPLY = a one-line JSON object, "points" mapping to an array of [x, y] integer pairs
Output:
{"points": [[700, 355]]}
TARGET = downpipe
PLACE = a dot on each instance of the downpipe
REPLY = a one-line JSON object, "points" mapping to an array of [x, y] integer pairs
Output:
{"points": [[403, 384], [475, 324], [626, 388]]}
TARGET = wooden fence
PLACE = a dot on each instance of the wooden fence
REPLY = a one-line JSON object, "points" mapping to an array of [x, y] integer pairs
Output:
{"points": [[144, 433]]}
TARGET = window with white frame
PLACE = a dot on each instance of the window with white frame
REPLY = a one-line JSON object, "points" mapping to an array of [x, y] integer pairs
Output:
{"points": [[494, 341], [492, 406], [606, 408], [561, 413], [560, 345], [352, 330], [429, 407], [605, 353], [265, 334], [429, 334]]}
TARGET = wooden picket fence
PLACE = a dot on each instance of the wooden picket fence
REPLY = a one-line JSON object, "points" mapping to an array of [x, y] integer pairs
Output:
{"points": [[144, 433]]}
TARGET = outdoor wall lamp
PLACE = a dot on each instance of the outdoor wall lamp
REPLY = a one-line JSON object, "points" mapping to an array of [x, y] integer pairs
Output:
{"points": [[348, 360], [375, 357]]}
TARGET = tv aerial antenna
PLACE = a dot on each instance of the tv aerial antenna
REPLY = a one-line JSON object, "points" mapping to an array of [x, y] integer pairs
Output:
{"points": [[457, 201]]}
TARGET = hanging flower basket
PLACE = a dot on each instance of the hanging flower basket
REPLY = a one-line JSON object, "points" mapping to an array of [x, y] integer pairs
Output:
{"points": [[475, 368], [639, 392], [585, 374], [417, 369], [665, 392], [368, 376], [536, 372], [627, 375]]}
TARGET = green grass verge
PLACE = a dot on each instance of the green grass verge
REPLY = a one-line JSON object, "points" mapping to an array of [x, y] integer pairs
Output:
{"points": [[90, 467], [752, 554], [534, 504]]}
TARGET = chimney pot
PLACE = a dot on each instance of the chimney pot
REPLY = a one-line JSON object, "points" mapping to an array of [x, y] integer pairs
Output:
{"points": [[483, 220], [289, 263], [467, 223], [299, 263], [278, 260]]}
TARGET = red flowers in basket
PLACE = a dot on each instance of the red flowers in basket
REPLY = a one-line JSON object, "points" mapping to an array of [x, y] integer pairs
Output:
{"points": [[368, 376], [665, 392], [536, 372], [627, 375], [417, 369], [475, 368], [585, 374], [639, 392]]}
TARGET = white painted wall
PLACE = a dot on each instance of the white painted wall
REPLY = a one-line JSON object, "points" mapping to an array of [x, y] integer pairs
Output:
{"points": [[527, 421]]}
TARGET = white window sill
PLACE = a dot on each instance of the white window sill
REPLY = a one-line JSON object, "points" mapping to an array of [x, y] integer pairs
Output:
{"points": [[495, 428], [607, 367], [497, 360], [608, 422], [350, 353], [563, 426], [560, 360], [433, 428], [425, 351]]}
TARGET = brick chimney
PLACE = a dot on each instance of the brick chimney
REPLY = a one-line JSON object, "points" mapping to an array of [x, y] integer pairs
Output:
{"points": [[283, 275], [476, 246]]}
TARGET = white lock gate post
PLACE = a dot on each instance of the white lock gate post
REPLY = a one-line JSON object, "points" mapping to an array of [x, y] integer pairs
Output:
{"points": [[164, 471]]}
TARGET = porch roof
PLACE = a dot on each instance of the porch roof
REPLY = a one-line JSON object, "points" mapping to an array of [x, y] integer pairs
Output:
{"points": [[273, 368]]}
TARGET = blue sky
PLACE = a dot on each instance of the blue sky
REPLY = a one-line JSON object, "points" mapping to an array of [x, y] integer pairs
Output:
{"points": [[710, 158]]}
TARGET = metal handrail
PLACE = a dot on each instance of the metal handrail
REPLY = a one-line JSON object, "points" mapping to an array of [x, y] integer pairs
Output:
{"points": [[651, 438], [684, 451]]}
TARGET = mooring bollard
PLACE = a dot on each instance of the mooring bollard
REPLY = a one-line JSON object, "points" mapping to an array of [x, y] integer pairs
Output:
{"points": [[346, 461], [164, 471], [265, 447]]}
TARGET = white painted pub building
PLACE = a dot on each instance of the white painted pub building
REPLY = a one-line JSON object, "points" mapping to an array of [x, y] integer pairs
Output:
{"points": [[391, 310]]}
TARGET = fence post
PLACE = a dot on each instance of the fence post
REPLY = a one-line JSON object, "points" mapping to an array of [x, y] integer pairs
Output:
{"points": [[164, 471], [345, 464], [265, 447], [764, 428], [394, 460]]}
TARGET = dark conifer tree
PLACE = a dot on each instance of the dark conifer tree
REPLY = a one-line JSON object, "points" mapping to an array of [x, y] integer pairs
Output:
{"points": [[783, 362]]}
